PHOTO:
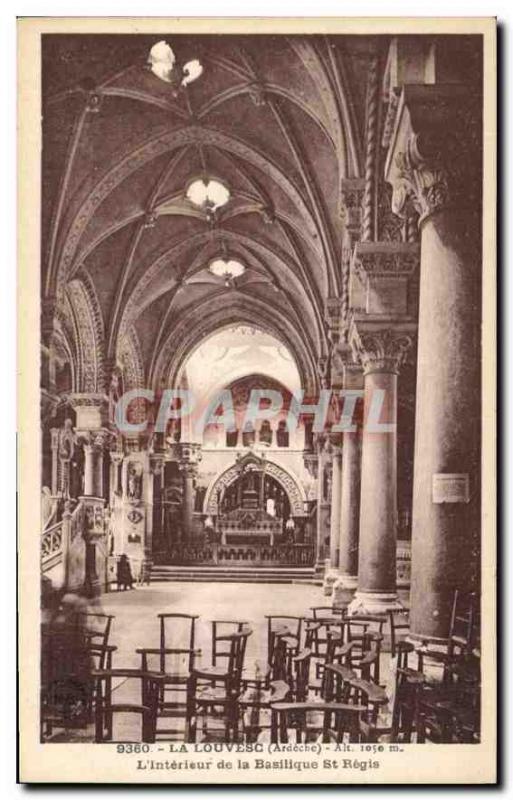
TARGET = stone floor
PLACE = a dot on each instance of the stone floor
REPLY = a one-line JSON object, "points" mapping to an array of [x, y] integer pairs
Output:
{"points": [[136, 625]]}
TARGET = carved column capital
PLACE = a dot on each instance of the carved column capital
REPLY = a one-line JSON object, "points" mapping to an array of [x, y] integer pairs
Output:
{"points": [[381, 349], [311, 462], [433, 158]]}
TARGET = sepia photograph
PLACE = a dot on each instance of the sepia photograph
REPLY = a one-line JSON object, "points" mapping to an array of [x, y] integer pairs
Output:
{"points": [[257, 501]]}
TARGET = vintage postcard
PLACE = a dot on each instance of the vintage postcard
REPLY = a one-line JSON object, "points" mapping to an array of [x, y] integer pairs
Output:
{"points": [[257, 266]]}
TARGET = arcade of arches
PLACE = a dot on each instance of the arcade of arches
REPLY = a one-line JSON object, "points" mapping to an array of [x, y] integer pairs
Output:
{"points": [[304, 215]]}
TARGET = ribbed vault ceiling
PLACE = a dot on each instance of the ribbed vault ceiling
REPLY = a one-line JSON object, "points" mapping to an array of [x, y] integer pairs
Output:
{"points": [[277, 119]]}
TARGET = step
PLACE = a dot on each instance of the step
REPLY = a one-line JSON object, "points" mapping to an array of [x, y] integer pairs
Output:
{"points": [[235, 568], [235, 574]]}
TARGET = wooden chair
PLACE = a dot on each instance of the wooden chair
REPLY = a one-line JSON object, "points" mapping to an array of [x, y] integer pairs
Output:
{"points": [[300, 668], [287, 627], [97, 626], [147, 708], [68, 656], [451, 710], [221, 627], [332, 722], [363, 624], [336, 683], [65, 678], [174, 659], [259, 690], [392, 717], [326, 622], [399, 620], [463, 634], [214, 691]]}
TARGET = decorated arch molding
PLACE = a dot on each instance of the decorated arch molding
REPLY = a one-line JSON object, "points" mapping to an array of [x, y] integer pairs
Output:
{"points": [[142, 294], [88, 321], [289, 484], [189, 333], [129, 356]]}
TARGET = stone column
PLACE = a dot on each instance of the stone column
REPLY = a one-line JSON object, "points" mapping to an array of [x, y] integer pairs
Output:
{"points": [[155, 470], [93, 464], [335, 504], [381, 352], [331, 574], [55, 432], [89, 468], [347, 581], [434, 163], [188, 471], [190, 454], [320, 522]]}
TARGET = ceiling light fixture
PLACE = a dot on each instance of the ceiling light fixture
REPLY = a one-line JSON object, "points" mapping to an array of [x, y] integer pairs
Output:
{"points": [[162, 62], [227, 268], [207, 194]]}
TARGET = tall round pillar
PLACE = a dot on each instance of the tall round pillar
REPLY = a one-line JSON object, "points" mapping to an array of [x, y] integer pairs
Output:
{"points": [[446, 468], [434, 163], [188, 472], [331, 574], [320, 521], [89, 469], [381, 352], [335, 505]]}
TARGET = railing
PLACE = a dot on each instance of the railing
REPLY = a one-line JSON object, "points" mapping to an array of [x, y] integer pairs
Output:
{"points": [[280, 555], [51, 545], [56, 539]]}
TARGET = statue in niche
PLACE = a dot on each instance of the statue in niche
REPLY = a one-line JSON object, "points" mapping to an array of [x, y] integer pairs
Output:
{"points": [[67, 441], [67, 448], [199, 497], [134, 482], [327, 484], [115, 392]]}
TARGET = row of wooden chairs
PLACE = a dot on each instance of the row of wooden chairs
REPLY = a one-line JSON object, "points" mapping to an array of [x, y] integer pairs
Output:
{"points": [[321, 659]]}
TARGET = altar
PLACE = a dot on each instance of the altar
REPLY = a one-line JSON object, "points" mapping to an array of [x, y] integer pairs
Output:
{"points": [[249, 526]]}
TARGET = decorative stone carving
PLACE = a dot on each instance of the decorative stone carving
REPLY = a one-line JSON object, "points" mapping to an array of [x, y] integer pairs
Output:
{"points": [[93, 102], [386, 259], [351, 196], [90, 341], [391, 105], [386, 271], [381, 350], [288, 483], [257, 93], [425, 183], [433, 155], [134, 482], [311, 462]]}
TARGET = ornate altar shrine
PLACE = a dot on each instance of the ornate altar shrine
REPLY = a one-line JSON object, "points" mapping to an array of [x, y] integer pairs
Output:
{"points": [[244, 526]]}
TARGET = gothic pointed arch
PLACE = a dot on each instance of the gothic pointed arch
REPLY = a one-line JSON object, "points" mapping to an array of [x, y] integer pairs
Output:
{"points": [[291, 485], [89, 335]]}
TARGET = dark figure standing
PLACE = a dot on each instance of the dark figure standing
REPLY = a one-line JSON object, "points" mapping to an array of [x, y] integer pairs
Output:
{"points": [[124, 574]]}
